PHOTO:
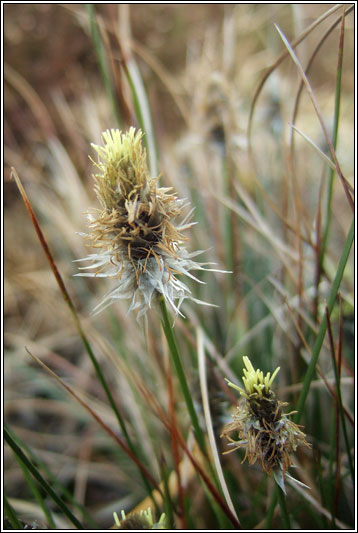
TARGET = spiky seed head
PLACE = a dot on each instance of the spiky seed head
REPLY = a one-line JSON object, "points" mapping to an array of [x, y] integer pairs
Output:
{"points": [[267, 435], [138, 233]]}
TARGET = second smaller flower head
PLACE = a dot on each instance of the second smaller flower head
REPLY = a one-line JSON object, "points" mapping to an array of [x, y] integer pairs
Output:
{"points": [[138, 232], [267, 434]]}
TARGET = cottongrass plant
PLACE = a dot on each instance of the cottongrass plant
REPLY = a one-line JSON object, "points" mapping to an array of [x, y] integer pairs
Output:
{"points": [[138, 233], [130, 434]]}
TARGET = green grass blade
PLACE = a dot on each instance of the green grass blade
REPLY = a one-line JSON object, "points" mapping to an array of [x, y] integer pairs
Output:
{"points": [[323, 327], [271, 508], [37, 494], [53, 479], [10, 513], [173, 348], [337, 106], [340, 407], [36, 474], [284, 513]]}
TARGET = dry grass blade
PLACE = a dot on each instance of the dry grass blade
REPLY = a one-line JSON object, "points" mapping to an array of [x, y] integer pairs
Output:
{"points": [[99, 420], [279, 61], [168, 81], [319, 116], [325, 158], [163, 417], [310, 63], [32, 99], [44, 243]]}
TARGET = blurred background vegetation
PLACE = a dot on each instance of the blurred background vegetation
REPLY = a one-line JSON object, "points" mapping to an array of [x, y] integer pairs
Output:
{"points": [[261, 211]]}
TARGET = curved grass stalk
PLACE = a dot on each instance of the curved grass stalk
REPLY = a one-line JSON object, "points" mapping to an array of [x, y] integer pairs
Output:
{"points": [[282, 57], [319, 116]]}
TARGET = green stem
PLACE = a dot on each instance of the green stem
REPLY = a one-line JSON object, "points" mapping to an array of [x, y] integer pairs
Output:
{"points": [[35, 491], [323, 327], [284, 513], [337, 105], [343, 419], [54, 481], [11, 515], [271, 508], [36, 474], [173, 348]]}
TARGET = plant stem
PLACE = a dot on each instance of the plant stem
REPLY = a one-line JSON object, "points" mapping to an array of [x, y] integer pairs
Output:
{"points": [[284, 513], [337, 105], [323, 327], [271, 508], [11, 515], [173, 348], [36, 474]]}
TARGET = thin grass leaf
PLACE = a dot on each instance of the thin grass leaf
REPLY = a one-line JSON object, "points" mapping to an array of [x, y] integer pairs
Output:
{"points": [[339, 394], [102, 60], [119, 441], [323, 327], [309, 65], [208, 421], [281, 58], [36, 474], [53, 479], [337, 106], [169, 333], [150, 398], [142, 110], [38, 497], [10, 513], [306, 495], [325, 158], [319, 116]]}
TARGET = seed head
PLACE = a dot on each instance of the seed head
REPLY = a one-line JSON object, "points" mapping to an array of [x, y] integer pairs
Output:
{"points": [[138, 232], [267, 434]]}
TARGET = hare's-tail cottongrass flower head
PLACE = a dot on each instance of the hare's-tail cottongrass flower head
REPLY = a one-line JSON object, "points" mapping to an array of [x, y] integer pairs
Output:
{"points": [[267, 434], [137, 521], [137, 233]]}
